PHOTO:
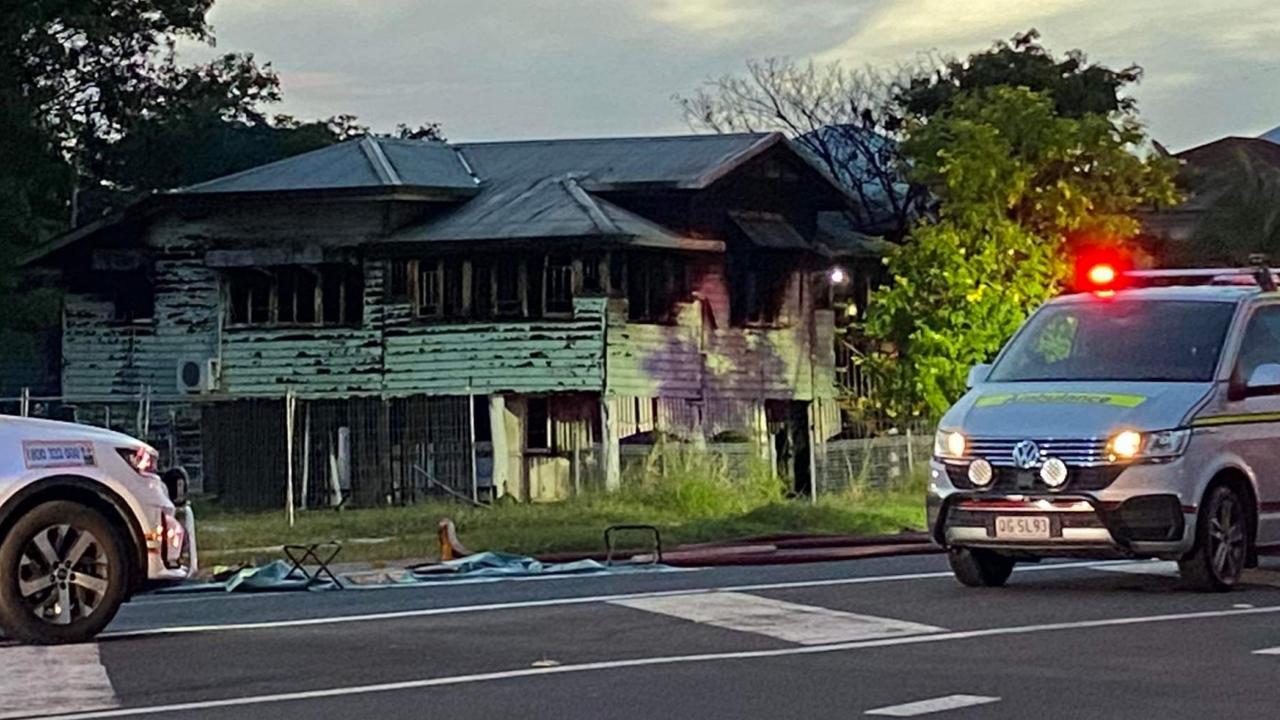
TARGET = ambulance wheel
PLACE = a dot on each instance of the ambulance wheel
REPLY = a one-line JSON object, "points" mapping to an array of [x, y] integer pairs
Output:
{"points": [[980, 568], [1222, 543], [63, 575]]}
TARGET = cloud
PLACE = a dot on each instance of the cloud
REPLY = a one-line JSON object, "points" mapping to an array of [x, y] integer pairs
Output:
{"points": [[1205, 63], [527, 68]]}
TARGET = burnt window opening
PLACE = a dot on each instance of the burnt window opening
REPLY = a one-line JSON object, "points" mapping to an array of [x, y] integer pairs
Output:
{"points": [[557, 286], [655, 284], [480, 408], [481, 289], [133, 296], [294, 295], [430, 300], [759, 288], [495, 286], [593, 275], [508, 288], [399, 282], [537, 425]]}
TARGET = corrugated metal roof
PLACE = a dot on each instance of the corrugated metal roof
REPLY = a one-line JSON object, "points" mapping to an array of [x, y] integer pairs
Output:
{"points": [[545, 207], [769, 230], [542, 188], [366, 163], [522, 189], [686, 161]]}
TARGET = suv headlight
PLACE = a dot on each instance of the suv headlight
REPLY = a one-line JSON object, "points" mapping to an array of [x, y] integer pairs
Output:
{"points": [[1133, 445], [950, 445]]}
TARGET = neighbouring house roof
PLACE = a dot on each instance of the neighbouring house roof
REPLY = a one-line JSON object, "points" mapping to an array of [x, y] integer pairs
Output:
{"points": [[839, 232], [1228, 149], [367, 163]]}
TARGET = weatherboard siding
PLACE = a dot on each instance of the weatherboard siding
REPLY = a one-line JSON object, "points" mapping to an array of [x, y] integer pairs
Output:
{"points": [[102, 357], [534, 356]]}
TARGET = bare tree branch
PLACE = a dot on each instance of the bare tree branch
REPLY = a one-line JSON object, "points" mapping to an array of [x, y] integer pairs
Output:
{"points": [[849, 120]]}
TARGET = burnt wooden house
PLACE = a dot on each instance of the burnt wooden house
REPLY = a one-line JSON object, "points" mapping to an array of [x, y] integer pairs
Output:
{"points": [[391, 317]]}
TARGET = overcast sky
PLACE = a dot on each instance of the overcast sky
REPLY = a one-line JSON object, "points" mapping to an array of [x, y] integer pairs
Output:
{"points": [[500, 69]]}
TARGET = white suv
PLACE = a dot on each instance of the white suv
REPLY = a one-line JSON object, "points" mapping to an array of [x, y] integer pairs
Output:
{"points": [[85, 521]]}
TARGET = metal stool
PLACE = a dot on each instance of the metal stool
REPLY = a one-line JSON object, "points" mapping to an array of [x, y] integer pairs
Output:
{"points": [[608, 541], [299, 555]]}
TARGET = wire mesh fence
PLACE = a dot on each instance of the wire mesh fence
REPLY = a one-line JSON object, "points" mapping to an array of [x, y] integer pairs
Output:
{"points": [[318, 452]]}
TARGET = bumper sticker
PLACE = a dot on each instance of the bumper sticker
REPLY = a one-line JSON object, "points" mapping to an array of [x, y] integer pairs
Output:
{"points": [[1052, 398], [59, 454]]}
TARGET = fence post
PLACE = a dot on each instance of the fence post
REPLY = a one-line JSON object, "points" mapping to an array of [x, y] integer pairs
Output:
{"points": [[911, 459], [471, 415], [24, 405], [289, 402]]}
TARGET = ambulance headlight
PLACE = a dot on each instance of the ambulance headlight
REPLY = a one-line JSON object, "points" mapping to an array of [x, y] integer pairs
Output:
{"points": [[949, 445], [1133, 445]]}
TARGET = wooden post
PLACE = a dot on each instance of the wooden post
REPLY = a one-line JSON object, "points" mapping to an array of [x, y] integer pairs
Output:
{"points": [[289, 402], [610, 448], [306, 454], [498, 433], [471, 416]]}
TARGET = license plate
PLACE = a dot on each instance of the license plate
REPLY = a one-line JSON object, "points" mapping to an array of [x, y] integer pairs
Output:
{"points": [[1022, 528]]}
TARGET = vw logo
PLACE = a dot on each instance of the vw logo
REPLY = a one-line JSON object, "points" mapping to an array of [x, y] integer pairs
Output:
{"points": [[1026, 454]]}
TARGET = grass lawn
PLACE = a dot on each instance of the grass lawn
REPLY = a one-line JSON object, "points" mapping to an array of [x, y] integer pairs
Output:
{"points": [[685, 512]]}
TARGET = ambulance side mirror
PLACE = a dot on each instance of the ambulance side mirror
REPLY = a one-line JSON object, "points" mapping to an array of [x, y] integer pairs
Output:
{"points": [[977, 375], [1265, 380]]}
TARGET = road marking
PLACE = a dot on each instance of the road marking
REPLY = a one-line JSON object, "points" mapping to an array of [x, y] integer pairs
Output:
{"points": [[653, 661], [39, 680], [1267, 651], [1145, 567], [803, 624], [580, 600], [924, 707]]}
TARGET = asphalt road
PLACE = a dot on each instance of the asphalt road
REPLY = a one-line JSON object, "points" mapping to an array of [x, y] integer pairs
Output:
{"points": [[891, 637]]}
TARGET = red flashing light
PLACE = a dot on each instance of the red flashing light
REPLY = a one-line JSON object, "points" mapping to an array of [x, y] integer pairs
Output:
{"points": [[1101, 270], [1102, 274]]}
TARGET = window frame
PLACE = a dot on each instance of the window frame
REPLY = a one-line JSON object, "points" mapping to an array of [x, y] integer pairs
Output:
{"points": [[349, 280]]}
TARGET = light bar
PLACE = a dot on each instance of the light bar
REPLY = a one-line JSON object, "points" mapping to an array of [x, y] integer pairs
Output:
{"points": [[1198, 276]]}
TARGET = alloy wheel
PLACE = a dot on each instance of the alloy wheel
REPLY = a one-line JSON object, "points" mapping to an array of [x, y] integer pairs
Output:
{"points": [[1227, 539], [63, 574]]}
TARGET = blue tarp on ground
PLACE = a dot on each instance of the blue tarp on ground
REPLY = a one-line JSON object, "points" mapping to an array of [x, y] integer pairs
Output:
{"points": [[486, 566]]}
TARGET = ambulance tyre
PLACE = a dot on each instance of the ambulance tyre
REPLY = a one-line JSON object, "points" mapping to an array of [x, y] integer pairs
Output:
{"points": [[63, 572], [1222, 543], [975, 567]]}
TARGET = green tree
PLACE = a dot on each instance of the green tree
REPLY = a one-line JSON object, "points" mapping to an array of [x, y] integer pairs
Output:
{"points": [[1077, 87], [1020, 185]]}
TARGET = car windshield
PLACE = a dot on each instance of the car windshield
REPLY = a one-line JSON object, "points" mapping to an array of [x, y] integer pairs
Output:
{"points": [[1136, 340]]}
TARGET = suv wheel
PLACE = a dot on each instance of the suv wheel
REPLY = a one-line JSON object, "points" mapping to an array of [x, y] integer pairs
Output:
{"points": [[63, 573], [1222, 543], [980, 568]]}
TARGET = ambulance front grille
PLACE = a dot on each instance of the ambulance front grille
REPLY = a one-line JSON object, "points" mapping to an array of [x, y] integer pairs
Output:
{"points": [[1075, 453]]}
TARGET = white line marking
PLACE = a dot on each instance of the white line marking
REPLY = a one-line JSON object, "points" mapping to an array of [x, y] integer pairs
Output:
{"points": [[1268, 651], [803, 624], [580, 600], [923, 707], [651, 661], [39, 680], [1145, 567]]}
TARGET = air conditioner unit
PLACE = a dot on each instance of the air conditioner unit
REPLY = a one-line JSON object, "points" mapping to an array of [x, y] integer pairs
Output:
{"points": [[197, 375]]}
